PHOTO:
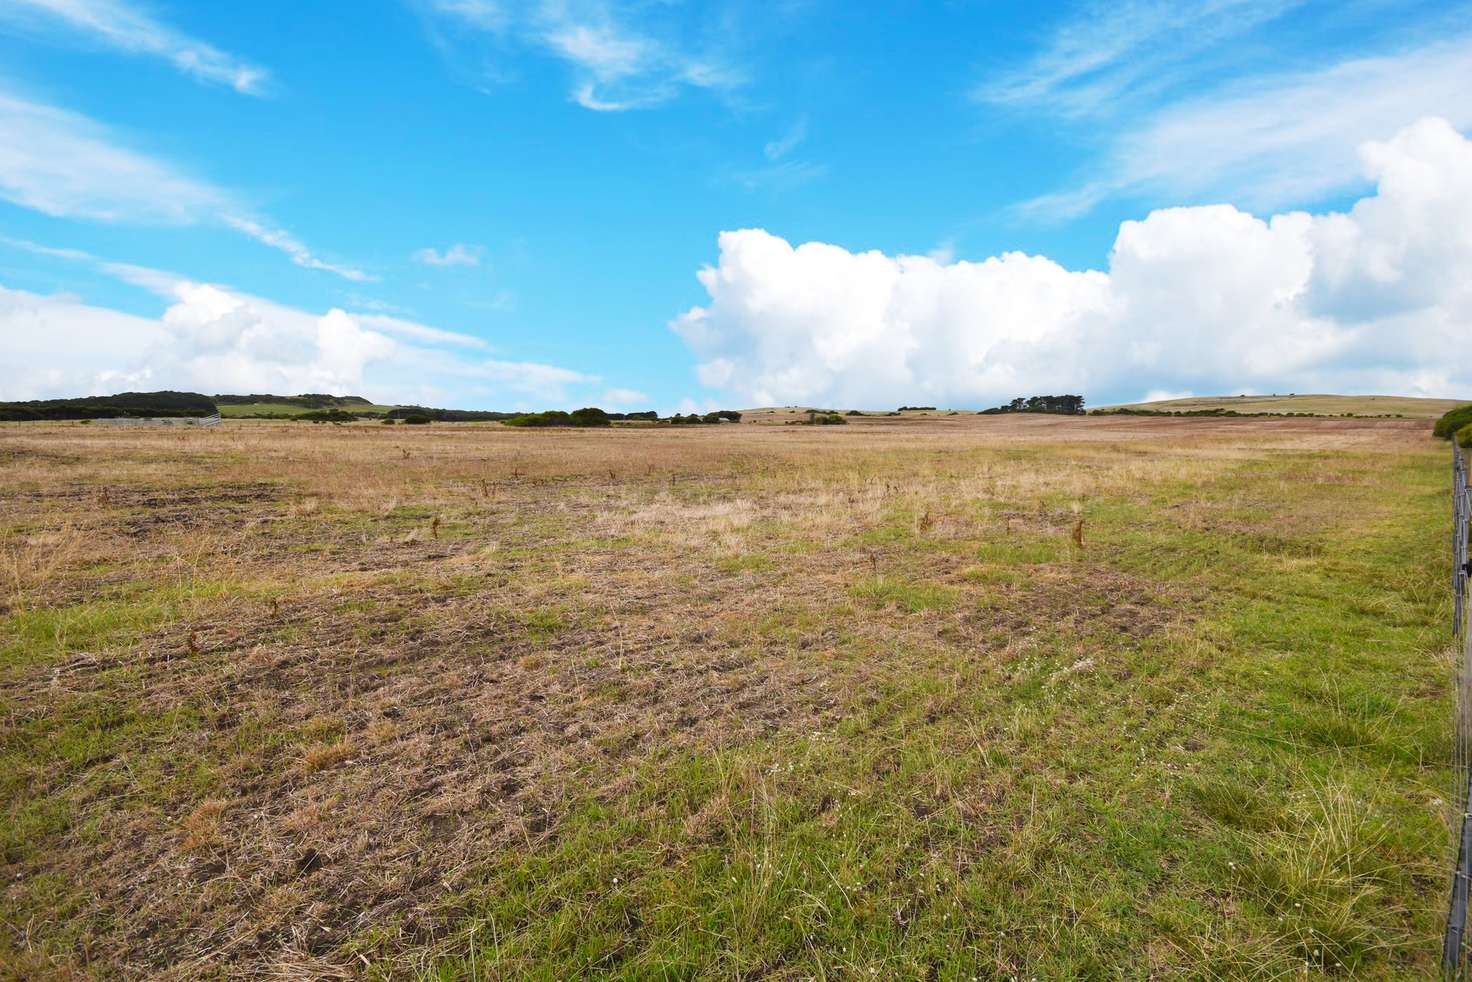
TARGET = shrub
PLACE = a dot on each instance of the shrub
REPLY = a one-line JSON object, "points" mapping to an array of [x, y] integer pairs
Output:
{"points": [[553, 417], [707, 419], [417, 419], [388, 421], [449, 415], [1452, 422], [589, 416], [326, 416], [1464, 436]]}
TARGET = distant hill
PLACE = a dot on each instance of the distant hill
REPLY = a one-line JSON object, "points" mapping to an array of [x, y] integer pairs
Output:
{"points": [[265, 406], [124, 404], [1315, 405]]}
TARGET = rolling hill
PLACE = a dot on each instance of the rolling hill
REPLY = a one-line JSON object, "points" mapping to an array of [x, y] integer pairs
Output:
{"points": [[1317, 405]]}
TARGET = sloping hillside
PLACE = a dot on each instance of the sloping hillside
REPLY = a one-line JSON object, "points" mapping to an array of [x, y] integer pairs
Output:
{"points": [[1318, 405], [259, 405]]}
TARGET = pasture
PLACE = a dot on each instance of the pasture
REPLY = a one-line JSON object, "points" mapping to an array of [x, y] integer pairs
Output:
{"points": [[1409, 407], [917, 697]]}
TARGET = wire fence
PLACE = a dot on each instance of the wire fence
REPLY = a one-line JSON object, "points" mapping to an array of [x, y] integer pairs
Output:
{"points": [[211, 420], [1456, 953]]}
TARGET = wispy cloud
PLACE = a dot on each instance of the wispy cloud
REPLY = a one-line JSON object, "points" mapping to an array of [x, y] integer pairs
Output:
{"points": [[787, 142], [1106, 55], [65, 165], [127, 27], [617, 65], [1276, 140], [458, 254], [784, 175], [284, 241], [782, 171]]}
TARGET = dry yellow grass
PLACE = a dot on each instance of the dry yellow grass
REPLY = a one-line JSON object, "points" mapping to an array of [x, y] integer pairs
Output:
{"points": [[1320, 405], [413, 659]]}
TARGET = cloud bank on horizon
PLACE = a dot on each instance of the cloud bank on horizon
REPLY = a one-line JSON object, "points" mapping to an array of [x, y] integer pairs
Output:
{"points": [[1205, 299], [214, 339]]}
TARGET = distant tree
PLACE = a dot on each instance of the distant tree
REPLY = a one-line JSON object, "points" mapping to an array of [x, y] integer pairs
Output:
{"points": [[589, 416], [1057, 405]]}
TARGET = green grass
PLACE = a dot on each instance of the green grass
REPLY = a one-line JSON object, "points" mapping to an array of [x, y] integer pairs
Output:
{"points": [[286, 410], [1238, 798]]}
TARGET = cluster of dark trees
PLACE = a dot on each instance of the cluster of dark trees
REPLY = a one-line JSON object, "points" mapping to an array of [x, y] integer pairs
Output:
{"points": [[449, 415], [124, 404], [327, 416], [820, 417], [589, 416], [916, 409], [1057, 405], [715, 417]]}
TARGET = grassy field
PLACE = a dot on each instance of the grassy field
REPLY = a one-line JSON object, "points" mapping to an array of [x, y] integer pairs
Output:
{"points": [[237, 410], [931, 697], [1319, 405]]}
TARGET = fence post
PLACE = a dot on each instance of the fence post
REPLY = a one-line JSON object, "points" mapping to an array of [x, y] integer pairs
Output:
{"points": [[1453, 942]]}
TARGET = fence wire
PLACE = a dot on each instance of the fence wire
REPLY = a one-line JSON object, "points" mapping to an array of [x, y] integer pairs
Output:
{"points": [[1456, 954]]}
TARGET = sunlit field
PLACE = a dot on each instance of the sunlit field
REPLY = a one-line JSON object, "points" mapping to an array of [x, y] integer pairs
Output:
{"points": [[914, 697]]}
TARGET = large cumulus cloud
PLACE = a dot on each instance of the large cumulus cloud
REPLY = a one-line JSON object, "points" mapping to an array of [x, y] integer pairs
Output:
{"points": [[1200, 299]]}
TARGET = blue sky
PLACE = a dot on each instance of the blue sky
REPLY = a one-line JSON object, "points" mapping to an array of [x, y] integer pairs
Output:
{"points": [[509, 203]]}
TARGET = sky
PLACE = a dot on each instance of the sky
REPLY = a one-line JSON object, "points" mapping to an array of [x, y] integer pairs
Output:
{"points": [[676, 205]]}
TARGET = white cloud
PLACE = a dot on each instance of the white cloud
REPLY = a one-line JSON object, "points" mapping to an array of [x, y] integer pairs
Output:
{"points": [[208, 339], [785, 175], [1202, 299], [616, 65], [458, 254], [419, 332], [284, 241], [211, 338], [1275, 140], [788, 142], [62, 164], [126, 27], [65, 165], [1107, 54], [618, 399], [1165, 395]]}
